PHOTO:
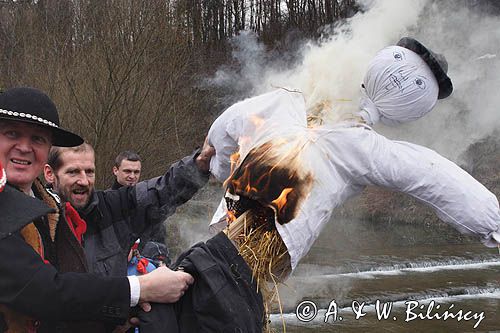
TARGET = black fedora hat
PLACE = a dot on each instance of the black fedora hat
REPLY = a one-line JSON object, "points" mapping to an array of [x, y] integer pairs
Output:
{"points": [[33, 106], [16, 208], [437, 63]]}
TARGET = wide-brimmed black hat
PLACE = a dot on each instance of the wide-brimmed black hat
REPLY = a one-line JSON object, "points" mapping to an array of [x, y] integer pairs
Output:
{"points": [[33, 106], [16, 208], [437, 63]]}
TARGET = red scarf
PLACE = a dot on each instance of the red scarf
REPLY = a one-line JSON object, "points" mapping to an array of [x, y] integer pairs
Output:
{"points": [[142, 266], [75, 222]]}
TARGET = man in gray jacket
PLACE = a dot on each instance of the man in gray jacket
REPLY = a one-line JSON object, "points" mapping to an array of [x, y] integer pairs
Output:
{"points": [[116, 218]]}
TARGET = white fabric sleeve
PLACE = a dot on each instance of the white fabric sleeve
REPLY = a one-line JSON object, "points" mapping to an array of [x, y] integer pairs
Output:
{"points": [[219, 221], [456, 196], [135, 290], [246, 123]]}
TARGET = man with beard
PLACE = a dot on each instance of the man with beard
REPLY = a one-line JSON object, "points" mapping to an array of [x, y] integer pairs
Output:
{"points": [[43, 271], [116, 218]]}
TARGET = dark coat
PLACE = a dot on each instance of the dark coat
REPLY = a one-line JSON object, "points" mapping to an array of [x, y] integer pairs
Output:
{"points": [[116, 218], [223, 298], [37, 289], [155, 233], [30, 286]]}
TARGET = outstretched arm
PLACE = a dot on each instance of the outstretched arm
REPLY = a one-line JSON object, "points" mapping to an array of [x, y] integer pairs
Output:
{"points": [[34, 288], [456, 196]]}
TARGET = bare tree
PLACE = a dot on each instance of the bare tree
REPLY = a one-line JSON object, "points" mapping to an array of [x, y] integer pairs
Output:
{"points": [[125, 73]]}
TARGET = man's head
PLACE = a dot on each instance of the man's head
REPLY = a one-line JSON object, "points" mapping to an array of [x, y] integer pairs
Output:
{"points": [[127, 168], [23, 150], [71, 171], [29, 125]]}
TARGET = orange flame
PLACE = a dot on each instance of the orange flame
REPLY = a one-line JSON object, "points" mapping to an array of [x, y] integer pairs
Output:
{"points": [[230, 216], [270, 174], [280, 201], [235, 157]]}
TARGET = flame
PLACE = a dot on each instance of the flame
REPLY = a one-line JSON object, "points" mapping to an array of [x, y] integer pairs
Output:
{"points": [[230, 216], [280, 201], [235, 157], [272, 174]]}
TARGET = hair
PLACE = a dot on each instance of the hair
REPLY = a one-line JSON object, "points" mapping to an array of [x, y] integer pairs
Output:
{"points": [[126, 155], [54, 159]]}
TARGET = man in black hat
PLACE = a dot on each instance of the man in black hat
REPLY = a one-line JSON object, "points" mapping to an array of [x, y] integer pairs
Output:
{"points": [[29, 125]]}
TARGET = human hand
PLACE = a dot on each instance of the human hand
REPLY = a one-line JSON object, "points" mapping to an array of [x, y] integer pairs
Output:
{"points": [[164, 285], [135, 321], [203, 160]]}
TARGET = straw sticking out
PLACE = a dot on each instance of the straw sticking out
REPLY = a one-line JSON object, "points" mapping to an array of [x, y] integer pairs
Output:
{"points": [[265, 253]]}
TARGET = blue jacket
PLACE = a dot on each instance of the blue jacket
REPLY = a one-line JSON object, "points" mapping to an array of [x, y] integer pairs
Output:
{"points": [[132, 266]]}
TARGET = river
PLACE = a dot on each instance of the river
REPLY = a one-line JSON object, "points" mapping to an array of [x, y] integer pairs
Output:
{"points": [[355, 260], [421, 282]]}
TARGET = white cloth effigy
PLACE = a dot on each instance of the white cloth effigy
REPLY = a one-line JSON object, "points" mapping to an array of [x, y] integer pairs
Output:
{"points": [[343, 160]]}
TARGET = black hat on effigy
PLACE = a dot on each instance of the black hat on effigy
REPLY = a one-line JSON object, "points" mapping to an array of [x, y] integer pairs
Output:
{"points": [[16, 208], [31, 105], [437, 63]]}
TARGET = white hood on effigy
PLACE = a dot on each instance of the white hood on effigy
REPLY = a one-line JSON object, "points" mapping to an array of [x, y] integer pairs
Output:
{"points": [[398, 87]]}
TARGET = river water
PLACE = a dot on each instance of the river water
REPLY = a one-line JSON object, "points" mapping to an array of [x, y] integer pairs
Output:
{"points": [[394, 263], [420, 277]]}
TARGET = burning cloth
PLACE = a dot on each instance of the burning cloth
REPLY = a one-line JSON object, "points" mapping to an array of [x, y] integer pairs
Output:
{"points": [[303, 173]]}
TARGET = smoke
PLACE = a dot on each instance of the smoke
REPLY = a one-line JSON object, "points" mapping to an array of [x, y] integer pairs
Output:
{"points": [[252, 60], [470, 40], [333, 68]]}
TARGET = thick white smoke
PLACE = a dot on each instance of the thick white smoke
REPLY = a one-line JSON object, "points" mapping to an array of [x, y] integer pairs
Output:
{"points": [[470, 40], [334, 68]]}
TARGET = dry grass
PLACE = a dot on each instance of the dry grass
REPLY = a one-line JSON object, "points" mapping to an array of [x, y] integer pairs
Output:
{"points": [[264, 251]]}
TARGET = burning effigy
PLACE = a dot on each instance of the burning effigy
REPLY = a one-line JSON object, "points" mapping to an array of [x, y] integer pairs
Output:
{"points": [[284, 172]]}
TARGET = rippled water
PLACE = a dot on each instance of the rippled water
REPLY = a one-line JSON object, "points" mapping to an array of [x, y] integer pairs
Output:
{"points": [[394, 263], [424, 284]]}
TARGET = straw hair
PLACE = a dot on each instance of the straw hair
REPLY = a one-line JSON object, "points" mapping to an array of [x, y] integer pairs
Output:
{"points": [[265, 253]]}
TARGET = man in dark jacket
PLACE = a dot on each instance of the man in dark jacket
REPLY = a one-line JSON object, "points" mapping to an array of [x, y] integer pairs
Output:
{"points": [[223, 298], [116, 218], [127, 171], [35, 292]]}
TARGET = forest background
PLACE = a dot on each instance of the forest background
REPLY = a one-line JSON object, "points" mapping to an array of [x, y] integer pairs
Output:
{"points": [[130, 74], [136, 74]]}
